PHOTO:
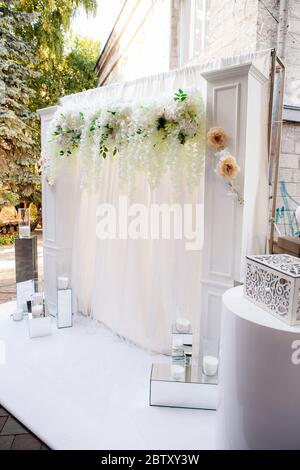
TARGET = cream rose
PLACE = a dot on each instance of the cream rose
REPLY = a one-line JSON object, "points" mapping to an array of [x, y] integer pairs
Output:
{"points": [[217, 138], [228, 167]]}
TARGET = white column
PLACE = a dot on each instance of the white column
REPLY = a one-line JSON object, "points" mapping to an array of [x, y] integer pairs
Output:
{"points": [[235, 102], [59, 213], [49, 220]]}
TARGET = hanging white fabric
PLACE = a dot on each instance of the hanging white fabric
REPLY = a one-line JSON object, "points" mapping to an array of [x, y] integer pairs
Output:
{"points": [[138, 287]]}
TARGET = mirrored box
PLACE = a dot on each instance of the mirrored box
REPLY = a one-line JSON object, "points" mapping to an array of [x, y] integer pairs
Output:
{"points": [[26, 258], [193, 390], [39, 326], [64, 308], [26, 268]]}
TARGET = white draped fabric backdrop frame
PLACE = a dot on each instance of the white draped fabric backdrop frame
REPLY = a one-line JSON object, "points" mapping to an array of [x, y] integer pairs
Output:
{"points": [[135, 287]]}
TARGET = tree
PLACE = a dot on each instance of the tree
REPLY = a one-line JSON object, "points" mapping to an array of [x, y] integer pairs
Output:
{"points": [[53, 21], [32, 50], [72, 74], [18, 170]]}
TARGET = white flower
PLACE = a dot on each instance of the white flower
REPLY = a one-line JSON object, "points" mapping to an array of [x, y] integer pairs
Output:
{"points": [[154, 136]]}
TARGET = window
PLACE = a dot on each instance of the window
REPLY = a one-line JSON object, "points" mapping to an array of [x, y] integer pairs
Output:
{"points": [[193, 28]]}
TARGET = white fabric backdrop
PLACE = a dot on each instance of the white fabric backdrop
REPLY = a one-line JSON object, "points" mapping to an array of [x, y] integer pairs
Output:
{"points": [[137, 288]]}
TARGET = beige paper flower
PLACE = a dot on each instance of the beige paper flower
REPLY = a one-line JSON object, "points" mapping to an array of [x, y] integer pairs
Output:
{"points": [[217, 138], [228, 167]]}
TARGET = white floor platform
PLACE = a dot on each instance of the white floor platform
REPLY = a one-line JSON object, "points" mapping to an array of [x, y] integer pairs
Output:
{"points": [[82, 388]]}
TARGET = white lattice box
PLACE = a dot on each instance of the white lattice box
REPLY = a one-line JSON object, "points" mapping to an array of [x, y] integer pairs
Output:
{"points": [[273, 283]]}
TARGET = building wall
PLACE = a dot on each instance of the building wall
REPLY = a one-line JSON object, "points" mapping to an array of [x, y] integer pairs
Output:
{"points": [[140, 44], [292, 55], [233, 27], [267, 22], [289, 174], [290, 148]]}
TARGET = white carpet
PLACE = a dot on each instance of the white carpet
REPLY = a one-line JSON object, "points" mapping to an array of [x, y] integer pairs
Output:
{"points": [[82, 388]]}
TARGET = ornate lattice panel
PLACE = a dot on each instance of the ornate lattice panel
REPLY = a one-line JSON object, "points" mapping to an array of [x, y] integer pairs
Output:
{"points": [[273, 283]]}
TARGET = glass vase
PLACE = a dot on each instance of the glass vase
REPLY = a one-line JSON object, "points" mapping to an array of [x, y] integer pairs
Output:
{"points": [[24, 223]]}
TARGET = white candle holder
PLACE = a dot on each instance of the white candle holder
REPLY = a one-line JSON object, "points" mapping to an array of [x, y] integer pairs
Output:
{"points": [[62, 282], [24, 222], [18, 314], [182, 342]]}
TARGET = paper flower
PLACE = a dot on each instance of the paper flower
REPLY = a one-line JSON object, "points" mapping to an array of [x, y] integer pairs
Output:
{"points": [[228, 167], [217, 138]]}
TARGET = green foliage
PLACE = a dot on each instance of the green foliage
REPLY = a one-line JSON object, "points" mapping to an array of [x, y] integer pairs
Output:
{"points": [[8, 198], [18, 149], [74, 72], [180, 95], [38, 64], [7, 239], [53, 21]]}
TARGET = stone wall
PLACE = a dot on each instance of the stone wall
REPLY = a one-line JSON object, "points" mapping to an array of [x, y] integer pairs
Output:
{"points": [[289, 173], [267, 22], [290, 148], [235, 27], [232, 27], [292, 55]]}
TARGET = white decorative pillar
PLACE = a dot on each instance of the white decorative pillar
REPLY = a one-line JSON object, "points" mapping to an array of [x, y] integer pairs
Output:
{"points": [[59, 214], [236, 102], [49, 220]]}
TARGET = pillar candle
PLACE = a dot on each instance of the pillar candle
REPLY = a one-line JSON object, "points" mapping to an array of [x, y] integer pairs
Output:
{"points": [[210, 365], [24, 231]]}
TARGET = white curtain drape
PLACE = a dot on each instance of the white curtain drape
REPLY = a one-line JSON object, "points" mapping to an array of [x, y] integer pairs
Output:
{"points": [[138, 287]]}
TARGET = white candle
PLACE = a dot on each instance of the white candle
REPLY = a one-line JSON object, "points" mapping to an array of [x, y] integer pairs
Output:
{"points": [[177, 372], [210, 365], [37, 310], [24, 231], [183, 325], [18, 314], [62, 282]]}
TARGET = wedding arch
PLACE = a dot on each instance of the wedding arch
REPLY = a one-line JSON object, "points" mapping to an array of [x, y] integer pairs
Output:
{"points": [[145, 140]]}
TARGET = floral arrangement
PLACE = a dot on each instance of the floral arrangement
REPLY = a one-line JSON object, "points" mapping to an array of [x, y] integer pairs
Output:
{"points": [[227, 167], [153, 136]]}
